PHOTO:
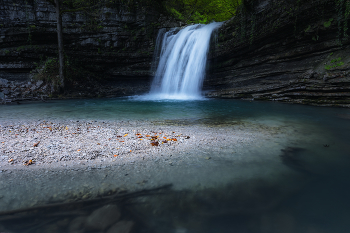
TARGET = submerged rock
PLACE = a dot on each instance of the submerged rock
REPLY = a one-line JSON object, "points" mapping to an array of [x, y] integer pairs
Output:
{"points": [[103, 218], [122, 227]]}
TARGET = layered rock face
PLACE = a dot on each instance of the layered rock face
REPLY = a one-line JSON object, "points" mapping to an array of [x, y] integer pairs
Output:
{"points": [[291, 51], [117, 44]]}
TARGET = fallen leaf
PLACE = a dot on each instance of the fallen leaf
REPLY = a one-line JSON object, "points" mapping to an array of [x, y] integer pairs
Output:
{"points": [[98, 143], [148, 135], [121, 141], [119, 136], [155, 143], [79, 150], [30, 162], [11, 160], [174, 139], [125, 135], [36, 144], [115, 155], [164, 137], [165, 141]]}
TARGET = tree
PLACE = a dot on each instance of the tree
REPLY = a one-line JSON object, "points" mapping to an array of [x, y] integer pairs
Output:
{"points": [[57, 5], [60, 45], [69, 6]]}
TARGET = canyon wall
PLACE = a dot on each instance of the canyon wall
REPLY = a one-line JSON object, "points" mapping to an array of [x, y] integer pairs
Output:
{"points": [[117, 46], [293, 51], [290, 51]]}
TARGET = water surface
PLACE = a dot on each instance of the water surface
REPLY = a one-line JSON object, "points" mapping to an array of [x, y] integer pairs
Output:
{"points": [[295, 180]]}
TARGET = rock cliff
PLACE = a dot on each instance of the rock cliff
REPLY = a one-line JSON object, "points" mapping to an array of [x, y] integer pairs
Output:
{"points": [[115, 48], [282, 50], [290, 51]]}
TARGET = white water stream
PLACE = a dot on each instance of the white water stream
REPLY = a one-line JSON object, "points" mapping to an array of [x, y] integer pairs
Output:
{"points": [[182, 58]]}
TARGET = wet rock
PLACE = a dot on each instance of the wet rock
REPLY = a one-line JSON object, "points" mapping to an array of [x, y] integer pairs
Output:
{"points": [[103, 218], [77, 225], [53, 228], [122, 227], [278, 222], [3, 229], [3, 82], [5, 92], [63, 222]]}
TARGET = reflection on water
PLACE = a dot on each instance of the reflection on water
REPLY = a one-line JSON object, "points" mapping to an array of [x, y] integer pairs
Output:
{"points": [[297, 181]]}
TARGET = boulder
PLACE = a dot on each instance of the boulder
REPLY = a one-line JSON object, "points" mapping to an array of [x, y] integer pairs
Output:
{"points": [[122, 227], [103, 218], [77, 225]]}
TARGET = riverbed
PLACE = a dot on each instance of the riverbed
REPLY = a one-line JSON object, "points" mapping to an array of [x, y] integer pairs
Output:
{"points": [[238, 158]]}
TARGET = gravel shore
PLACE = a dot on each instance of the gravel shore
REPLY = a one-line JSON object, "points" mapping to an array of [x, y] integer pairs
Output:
{"points": [[33, 144], [60, 160], [42, 143]]}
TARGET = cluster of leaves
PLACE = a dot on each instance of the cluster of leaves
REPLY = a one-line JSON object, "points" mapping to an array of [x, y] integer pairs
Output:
{"points": [[334, 63], [48, 72], [202, 11]]}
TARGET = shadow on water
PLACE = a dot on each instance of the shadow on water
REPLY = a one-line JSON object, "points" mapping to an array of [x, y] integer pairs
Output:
{"points": [[311, 203]]}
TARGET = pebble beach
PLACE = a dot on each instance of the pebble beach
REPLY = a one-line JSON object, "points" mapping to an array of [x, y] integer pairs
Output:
{"points": [[65, 159], [34, 144]]}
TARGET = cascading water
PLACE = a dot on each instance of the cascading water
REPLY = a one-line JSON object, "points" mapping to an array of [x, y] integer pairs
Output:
{"points": [[181, 57]]}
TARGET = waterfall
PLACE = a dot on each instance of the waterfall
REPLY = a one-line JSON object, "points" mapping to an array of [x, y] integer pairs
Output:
{"points": [[181, 58]]}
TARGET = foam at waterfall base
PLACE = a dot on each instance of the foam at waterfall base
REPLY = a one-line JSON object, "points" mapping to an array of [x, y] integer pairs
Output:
{"points": [[167, 97]]}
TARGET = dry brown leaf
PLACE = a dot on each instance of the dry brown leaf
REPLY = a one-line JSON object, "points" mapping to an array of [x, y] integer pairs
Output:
{"points": [[36, 144], [155, 143], [30, 162]]}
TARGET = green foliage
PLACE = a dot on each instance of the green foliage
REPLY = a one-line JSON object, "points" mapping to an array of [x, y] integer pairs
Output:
{"points": [[177, 14], [202, 11], [328, 23], [334, 63], [48, 70], [308, 29]]}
